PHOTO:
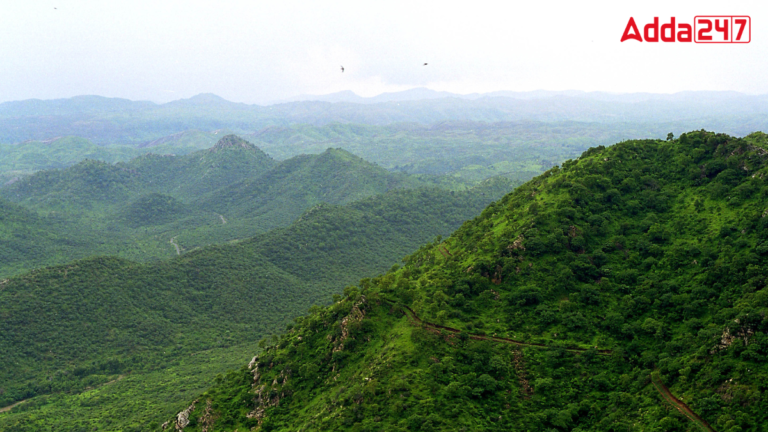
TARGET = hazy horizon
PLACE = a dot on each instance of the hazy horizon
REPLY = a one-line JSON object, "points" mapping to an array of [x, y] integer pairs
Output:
{"points": [[309, 97], [261, 53]]}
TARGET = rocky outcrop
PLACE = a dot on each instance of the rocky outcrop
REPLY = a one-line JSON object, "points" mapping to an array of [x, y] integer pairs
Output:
{"points": [[182, 418], [517, 244], [727, 338], [355, 315], [231, 141]]}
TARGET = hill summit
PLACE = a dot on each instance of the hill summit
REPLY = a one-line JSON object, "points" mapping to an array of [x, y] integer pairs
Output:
{"points": [[232, 141]]}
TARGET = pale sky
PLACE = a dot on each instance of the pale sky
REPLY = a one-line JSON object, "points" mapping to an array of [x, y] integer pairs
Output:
{"points": [[261, 51]]}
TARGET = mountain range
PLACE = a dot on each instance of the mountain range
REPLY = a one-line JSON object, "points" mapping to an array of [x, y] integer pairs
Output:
{"points": [[156, 206], [109, 120]]}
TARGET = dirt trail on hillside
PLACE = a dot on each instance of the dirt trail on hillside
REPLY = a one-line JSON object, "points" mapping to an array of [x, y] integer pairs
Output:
{"points": [[10, 407], [437, 327], [223, 220], [680, 405], [176, 245], [14, 405]]}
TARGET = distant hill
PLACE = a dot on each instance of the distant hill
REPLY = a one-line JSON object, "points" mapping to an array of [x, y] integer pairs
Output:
{"points": [[90, 182], [191, 138], [284, 192], [156, 206], [118, 121], [470, 151], [18, 160]]}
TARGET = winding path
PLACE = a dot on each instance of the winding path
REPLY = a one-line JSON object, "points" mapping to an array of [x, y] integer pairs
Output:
{"points": [[680, 405], [437, 327], [176, 245], [10, 407]]}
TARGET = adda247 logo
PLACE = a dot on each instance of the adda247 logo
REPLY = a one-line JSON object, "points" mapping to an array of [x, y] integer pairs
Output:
{"points": [[705, 29]]}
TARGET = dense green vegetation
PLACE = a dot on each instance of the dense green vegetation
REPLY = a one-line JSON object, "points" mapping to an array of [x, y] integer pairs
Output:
{"points": [[26, 158], [648, 258], [68, 332], [29, 240], [149, 206]]}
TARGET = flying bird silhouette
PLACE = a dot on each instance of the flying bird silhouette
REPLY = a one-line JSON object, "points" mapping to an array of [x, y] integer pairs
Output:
{"points": [[425, 64], [342, 69]]}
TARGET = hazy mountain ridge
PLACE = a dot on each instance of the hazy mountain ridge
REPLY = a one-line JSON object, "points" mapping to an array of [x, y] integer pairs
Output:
{"points": [[105, 120]]}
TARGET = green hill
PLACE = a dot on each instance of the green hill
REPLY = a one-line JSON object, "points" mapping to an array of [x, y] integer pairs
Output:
{"points": [[26, 158], [112, 344], [92, 182], [30, 240], [623, 291], [154, 207], [283, 193]]}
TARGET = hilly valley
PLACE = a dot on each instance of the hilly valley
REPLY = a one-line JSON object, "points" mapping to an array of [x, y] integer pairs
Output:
{"points": [[624, 290], [157, 206], [86, 340]]}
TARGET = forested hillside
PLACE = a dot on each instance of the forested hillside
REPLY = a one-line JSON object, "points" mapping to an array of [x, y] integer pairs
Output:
{"points": [[112, 344], [625, 290], [157, 206], [18, 160], [28, 240]]}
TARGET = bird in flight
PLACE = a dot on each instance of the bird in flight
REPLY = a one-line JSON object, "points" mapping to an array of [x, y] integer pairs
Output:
{"points": [[342, 69], [425, 64]]}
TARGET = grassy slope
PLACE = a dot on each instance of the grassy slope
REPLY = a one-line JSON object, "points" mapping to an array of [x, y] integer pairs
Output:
{"points": [[82, 325], [653, 250]]}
